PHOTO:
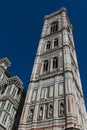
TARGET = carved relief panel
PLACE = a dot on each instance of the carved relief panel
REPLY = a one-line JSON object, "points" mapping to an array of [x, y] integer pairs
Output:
{"points": [[48, 110], [40, 112], [30, 114], [61, 108]]}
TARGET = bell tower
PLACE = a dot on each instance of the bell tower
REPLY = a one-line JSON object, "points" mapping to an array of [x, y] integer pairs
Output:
{"points": [[54, 98]]}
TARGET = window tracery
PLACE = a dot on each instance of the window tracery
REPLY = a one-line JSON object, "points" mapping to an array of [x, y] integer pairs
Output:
{"points": [[55, 62], [48, 45], [45, 66], [54, 27], [55, 42]]}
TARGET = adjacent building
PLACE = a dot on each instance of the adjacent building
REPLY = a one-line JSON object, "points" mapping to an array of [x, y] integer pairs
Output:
{"points": [[54, 98], [11, 91]]}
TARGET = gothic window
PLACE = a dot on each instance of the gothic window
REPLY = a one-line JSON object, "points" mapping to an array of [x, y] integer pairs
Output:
{"points": [[45, 66], [34, 95], [61, 109], [40, 115], [48, 45], [55, 62], [55, 42], [54, 27], [50, 91]]}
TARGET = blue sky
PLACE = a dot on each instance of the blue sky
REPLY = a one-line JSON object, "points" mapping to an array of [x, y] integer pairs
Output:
{"points": [[20, 28]]}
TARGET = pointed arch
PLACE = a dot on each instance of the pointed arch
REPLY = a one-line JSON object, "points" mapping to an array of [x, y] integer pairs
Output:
{"points": [[55, 62], [54, 27], [45, 66], [55, 42], [48, 45]]}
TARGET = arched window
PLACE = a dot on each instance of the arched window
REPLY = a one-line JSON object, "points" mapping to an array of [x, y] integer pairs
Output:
{"points": [[48, 45], [61, 109], [54, 27], [55, 42], [55, 62], [45, 66]]}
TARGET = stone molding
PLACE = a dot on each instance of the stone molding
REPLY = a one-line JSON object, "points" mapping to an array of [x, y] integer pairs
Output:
{"points": [[11, 98], [15, 80]]}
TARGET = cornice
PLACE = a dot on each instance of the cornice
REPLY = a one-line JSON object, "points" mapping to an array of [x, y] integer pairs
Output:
{"points": [[15, 80], [63, 9], [47, 75], [55, 13]]}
